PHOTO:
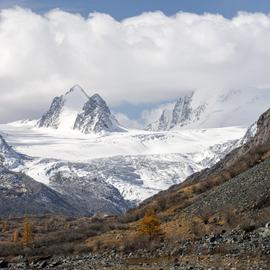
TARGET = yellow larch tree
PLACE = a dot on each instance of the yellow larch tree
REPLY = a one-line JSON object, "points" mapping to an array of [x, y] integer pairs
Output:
{"points": [[27, 233], [150, 225], [15, 236]]}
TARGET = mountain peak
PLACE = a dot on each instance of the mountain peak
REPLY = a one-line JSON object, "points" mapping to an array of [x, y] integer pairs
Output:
{"points": [[76, 89], [96, 117], [96, 96], [64, 109], [76, 110], [179, 115]]}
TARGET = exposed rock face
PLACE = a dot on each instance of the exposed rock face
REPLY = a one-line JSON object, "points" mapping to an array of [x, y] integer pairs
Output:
{"points": [[88, 193], [222, 150], [248, 191], [51, 118], [182, 111], [65, 194], [250, 134], [254, 150], [96, 117], [163, 122], [20, 194], [91, 197], [181, 115]]}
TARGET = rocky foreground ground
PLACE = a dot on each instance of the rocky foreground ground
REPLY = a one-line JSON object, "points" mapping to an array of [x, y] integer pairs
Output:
{"points": [[234, 250], [113, 262]]}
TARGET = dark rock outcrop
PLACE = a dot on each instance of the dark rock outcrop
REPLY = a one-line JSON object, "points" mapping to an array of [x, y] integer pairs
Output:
{"points": [[51, 117], [96, 117]]}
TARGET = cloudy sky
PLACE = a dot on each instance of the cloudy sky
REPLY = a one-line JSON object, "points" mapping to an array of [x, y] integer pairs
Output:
{"points": [[134, 57]]}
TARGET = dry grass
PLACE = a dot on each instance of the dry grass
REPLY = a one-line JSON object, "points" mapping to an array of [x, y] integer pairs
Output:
{"points": [[53, 236]]}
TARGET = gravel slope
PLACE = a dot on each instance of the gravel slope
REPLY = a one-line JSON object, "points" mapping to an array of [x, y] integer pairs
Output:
{"points": [[248, 191]]}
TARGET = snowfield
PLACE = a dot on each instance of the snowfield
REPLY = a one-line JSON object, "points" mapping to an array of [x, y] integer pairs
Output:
{"points": [[76, 146], [138, 163]]}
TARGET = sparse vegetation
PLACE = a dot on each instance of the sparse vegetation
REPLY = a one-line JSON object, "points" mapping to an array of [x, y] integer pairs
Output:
{"points": [[205, 215], [195, 228], [230, 216]]}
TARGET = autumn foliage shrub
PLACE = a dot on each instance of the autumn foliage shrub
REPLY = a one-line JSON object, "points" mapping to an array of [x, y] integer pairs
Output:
{"points": [[150, 225]]}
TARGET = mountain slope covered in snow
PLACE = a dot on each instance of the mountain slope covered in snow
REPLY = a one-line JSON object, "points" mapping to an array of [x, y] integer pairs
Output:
{"points": [[197, 110], [137, 164]]}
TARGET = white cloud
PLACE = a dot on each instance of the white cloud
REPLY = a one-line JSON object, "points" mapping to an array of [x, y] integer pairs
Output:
{"points": [[151, 115], [148, 58], [125, 121]]}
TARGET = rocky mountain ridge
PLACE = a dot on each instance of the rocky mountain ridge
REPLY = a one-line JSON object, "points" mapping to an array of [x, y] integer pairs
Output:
{"points": [[76, 110], [202, 110], [96, 117]]}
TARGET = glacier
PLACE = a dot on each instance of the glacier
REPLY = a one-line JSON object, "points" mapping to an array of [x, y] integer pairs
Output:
{"points": [[137, 163]]}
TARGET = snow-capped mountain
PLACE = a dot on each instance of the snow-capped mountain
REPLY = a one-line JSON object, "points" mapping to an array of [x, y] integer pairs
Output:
{"points": [[96, 117], [64, 109], [180, 115], [197, 110], [75, 110]]}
